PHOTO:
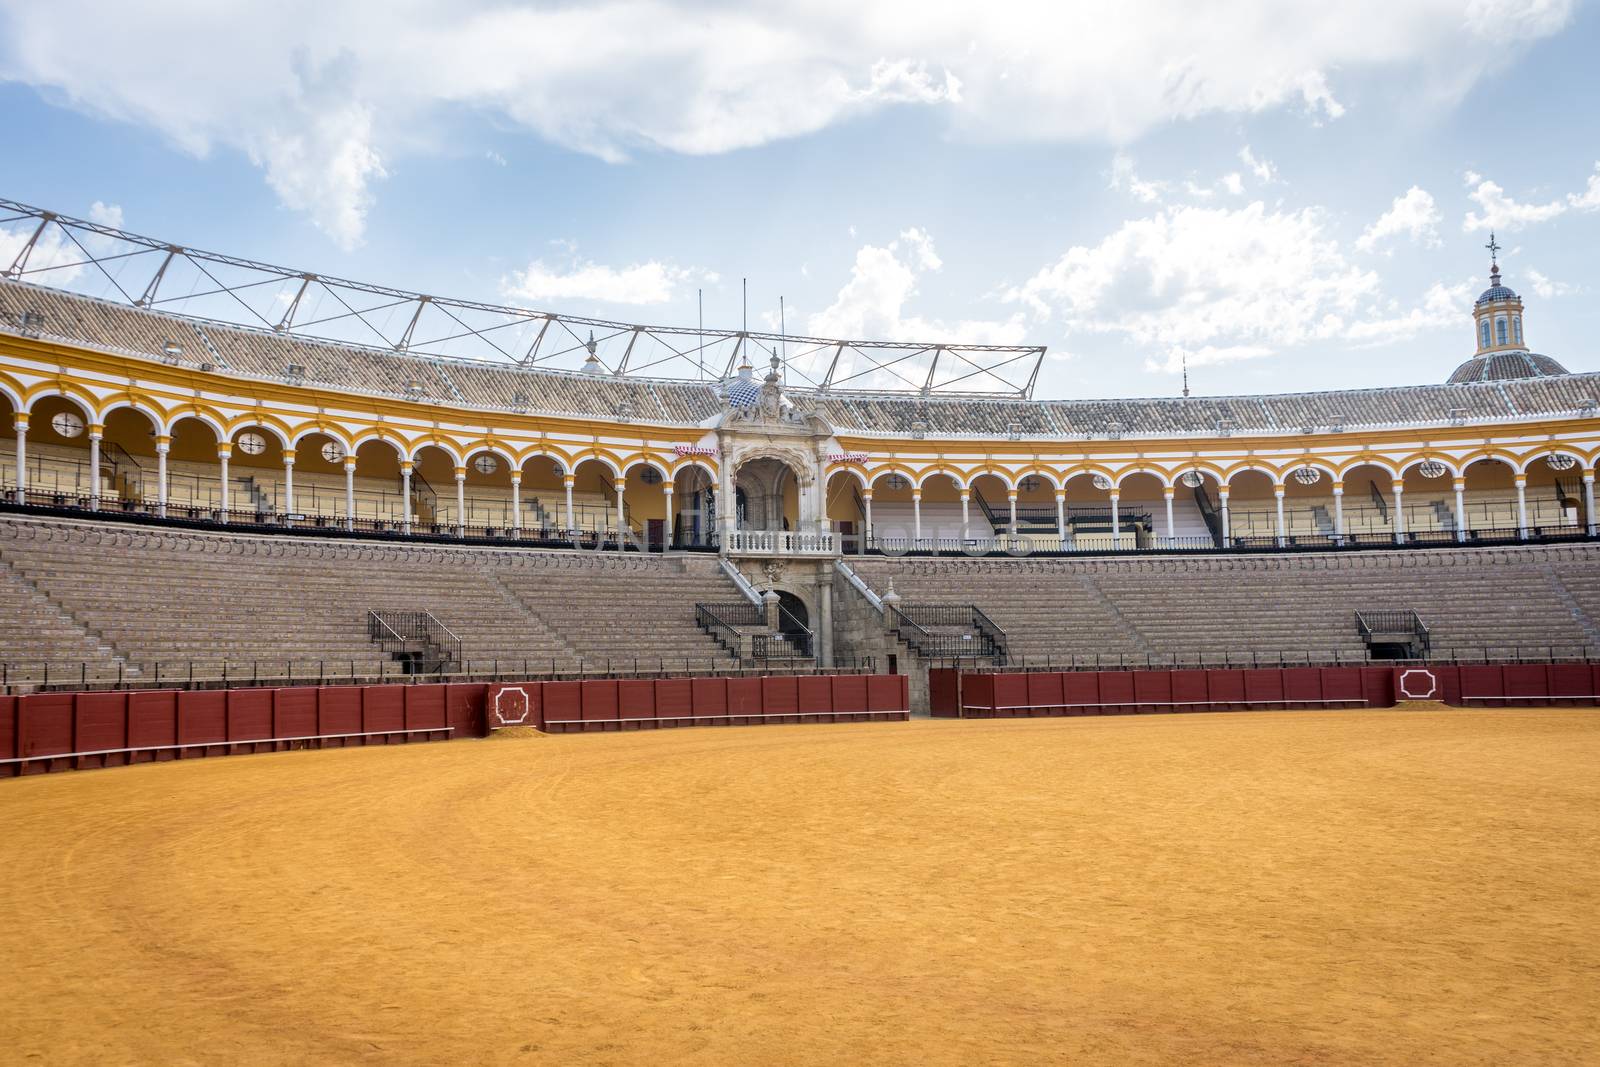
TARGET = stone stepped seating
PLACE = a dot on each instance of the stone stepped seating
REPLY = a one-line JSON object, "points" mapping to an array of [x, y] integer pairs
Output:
{"points": [[175, 596], [1471, 599]]}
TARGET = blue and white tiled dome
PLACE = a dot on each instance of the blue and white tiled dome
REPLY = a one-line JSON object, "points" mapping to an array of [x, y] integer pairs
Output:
{"points": [[1497, 292]]}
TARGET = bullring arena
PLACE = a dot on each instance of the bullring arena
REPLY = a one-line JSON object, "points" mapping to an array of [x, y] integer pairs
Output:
{"points": [[365, 701]]}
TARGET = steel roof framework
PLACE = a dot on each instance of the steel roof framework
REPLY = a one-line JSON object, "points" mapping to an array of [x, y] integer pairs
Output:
{"points": [[80, 255]]}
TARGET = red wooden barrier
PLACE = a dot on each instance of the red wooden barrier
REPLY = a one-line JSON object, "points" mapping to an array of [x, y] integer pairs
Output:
{"points": [[603, 704]]}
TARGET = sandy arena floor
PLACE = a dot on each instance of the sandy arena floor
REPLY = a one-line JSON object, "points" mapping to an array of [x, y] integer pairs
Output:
{"points": [[1310, 888]]}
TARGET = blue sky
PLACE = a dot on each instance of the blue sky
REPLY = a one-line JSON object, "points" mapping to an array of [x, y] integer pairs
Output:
{"points": [[1292, 197]]}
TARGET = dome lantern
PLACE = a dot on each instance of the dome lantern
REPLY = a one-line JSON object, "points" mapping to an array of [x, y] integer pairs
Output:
{"points": [[1497, 314]]}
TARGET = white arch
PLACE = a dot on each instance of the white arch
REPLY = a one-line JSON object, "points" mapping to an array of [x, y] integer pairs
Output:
{"points": [[265, 427], [859, 476], [1373, 461], [640, 459], [333, 433], [954, 476], [595, 457], [448, 447], [1160, 476], [1451, 465], [219, 431], [1562, 449], [1040, 471]]}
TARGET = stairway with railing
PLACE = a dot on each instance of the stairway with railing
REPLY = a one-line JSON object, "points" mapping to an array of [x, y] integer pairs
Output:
{"points": [[1393, 633], [741, 628], [415, 639], [948, 632]]}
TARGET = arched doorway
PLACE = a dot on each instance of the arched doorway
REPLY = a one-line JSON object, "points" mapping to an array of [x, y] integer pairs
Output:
{"points": [[768, 494]]}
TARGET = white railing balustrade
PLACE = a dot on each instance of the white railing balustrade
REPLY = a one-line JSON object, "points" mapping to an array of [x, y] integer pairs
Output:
{"points": [[784, 542]]}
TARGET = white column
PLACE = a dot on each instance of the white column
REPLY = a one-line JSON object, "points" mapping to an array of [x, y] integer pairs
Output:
{"points": [[1588, 500], [1227, 531], [461, 501], [866, 517], [1338, 512], [516, 503], [1283, 533], [95, 433], [619, 485], [405, 495], [1011, 498], [224, 453], [567, 480], [672, 518], [1461, 508], [916, 517], [1522, 506], [1116, 519], [966, 504], [1399, 510], [21, 423], [1167, 494], [163, 444], [349, 492], [1061, 516], [288, 484]]}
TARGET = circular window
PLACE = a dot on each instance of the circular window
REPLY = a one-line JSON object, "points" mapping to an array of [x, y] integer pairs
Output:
{"points": [[650, 476], [68, 424], [896, 481], [486, 464], [1102, 482], [1557, 462], [1192, 479], [252, 443], [1432, 469], [1030, 484], [332, 452], [1308, 476]]}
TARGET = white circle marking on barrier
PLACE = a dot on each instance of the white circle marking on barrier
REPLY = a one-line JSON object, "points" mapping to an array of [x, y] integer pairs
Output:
{"points": [[1406, 680], [521, 702]]}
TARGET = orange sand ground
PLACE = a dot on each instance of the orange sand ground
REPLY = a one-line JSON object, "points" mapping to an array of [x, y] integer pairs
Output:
{"points": [[1310, 888]]}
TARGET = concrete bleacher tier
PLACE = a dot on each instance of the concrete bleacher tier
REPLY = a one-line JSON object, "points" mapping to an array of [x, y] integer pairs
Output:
{"points": [[1472, 599], [109, 595]]}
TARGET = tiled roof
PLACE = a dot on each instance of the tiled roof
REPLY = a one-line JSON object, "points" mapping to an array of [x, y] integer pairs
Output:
{"points": [[260, 354], [1504, 366]]}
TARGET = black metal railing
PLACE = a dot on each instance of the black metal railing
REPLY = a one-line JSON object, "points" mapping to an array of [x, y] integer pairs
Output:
{"points": [[915, 624], [720, 620], [1376, 625], [416, 639]]}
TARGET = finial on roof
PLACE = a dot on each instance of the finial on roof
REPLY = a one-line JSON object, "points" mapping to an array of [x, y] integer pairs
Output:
{"points": [[1186, 374], [1494, 259]]}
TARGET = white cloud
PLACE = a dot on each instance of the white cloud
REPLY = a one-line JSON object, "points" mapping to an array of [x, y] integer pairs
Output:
{"points": [[1263, 169], [1545, 287], [1233, 182], [883, 281], [638, 283], [1217, 284], [106, 214], [494, 157], [1502, 212], [1123, 177], [1413, 214], [324, 97]]}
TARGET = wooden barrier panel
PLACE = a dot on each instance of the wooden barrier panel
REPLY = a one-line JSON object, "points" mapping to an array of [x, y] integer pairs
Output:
{"points": [[1045, 694], [814, 699], [202, 721], [563, 705], [636, 703], [249, 716], [339, 712], [888, 692], [944, 692], [1152, 690], [425, 707], [463, 706], [780, 701], [44, 728], [598, 699], [977, 694], [383, 712], [745, 703], [8, 735], [1189, 692], [1116, 692], [294, 712], [674, 702], [1080, 691], [711, 701], [849, 694], [153, 724], [102, 725]]}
